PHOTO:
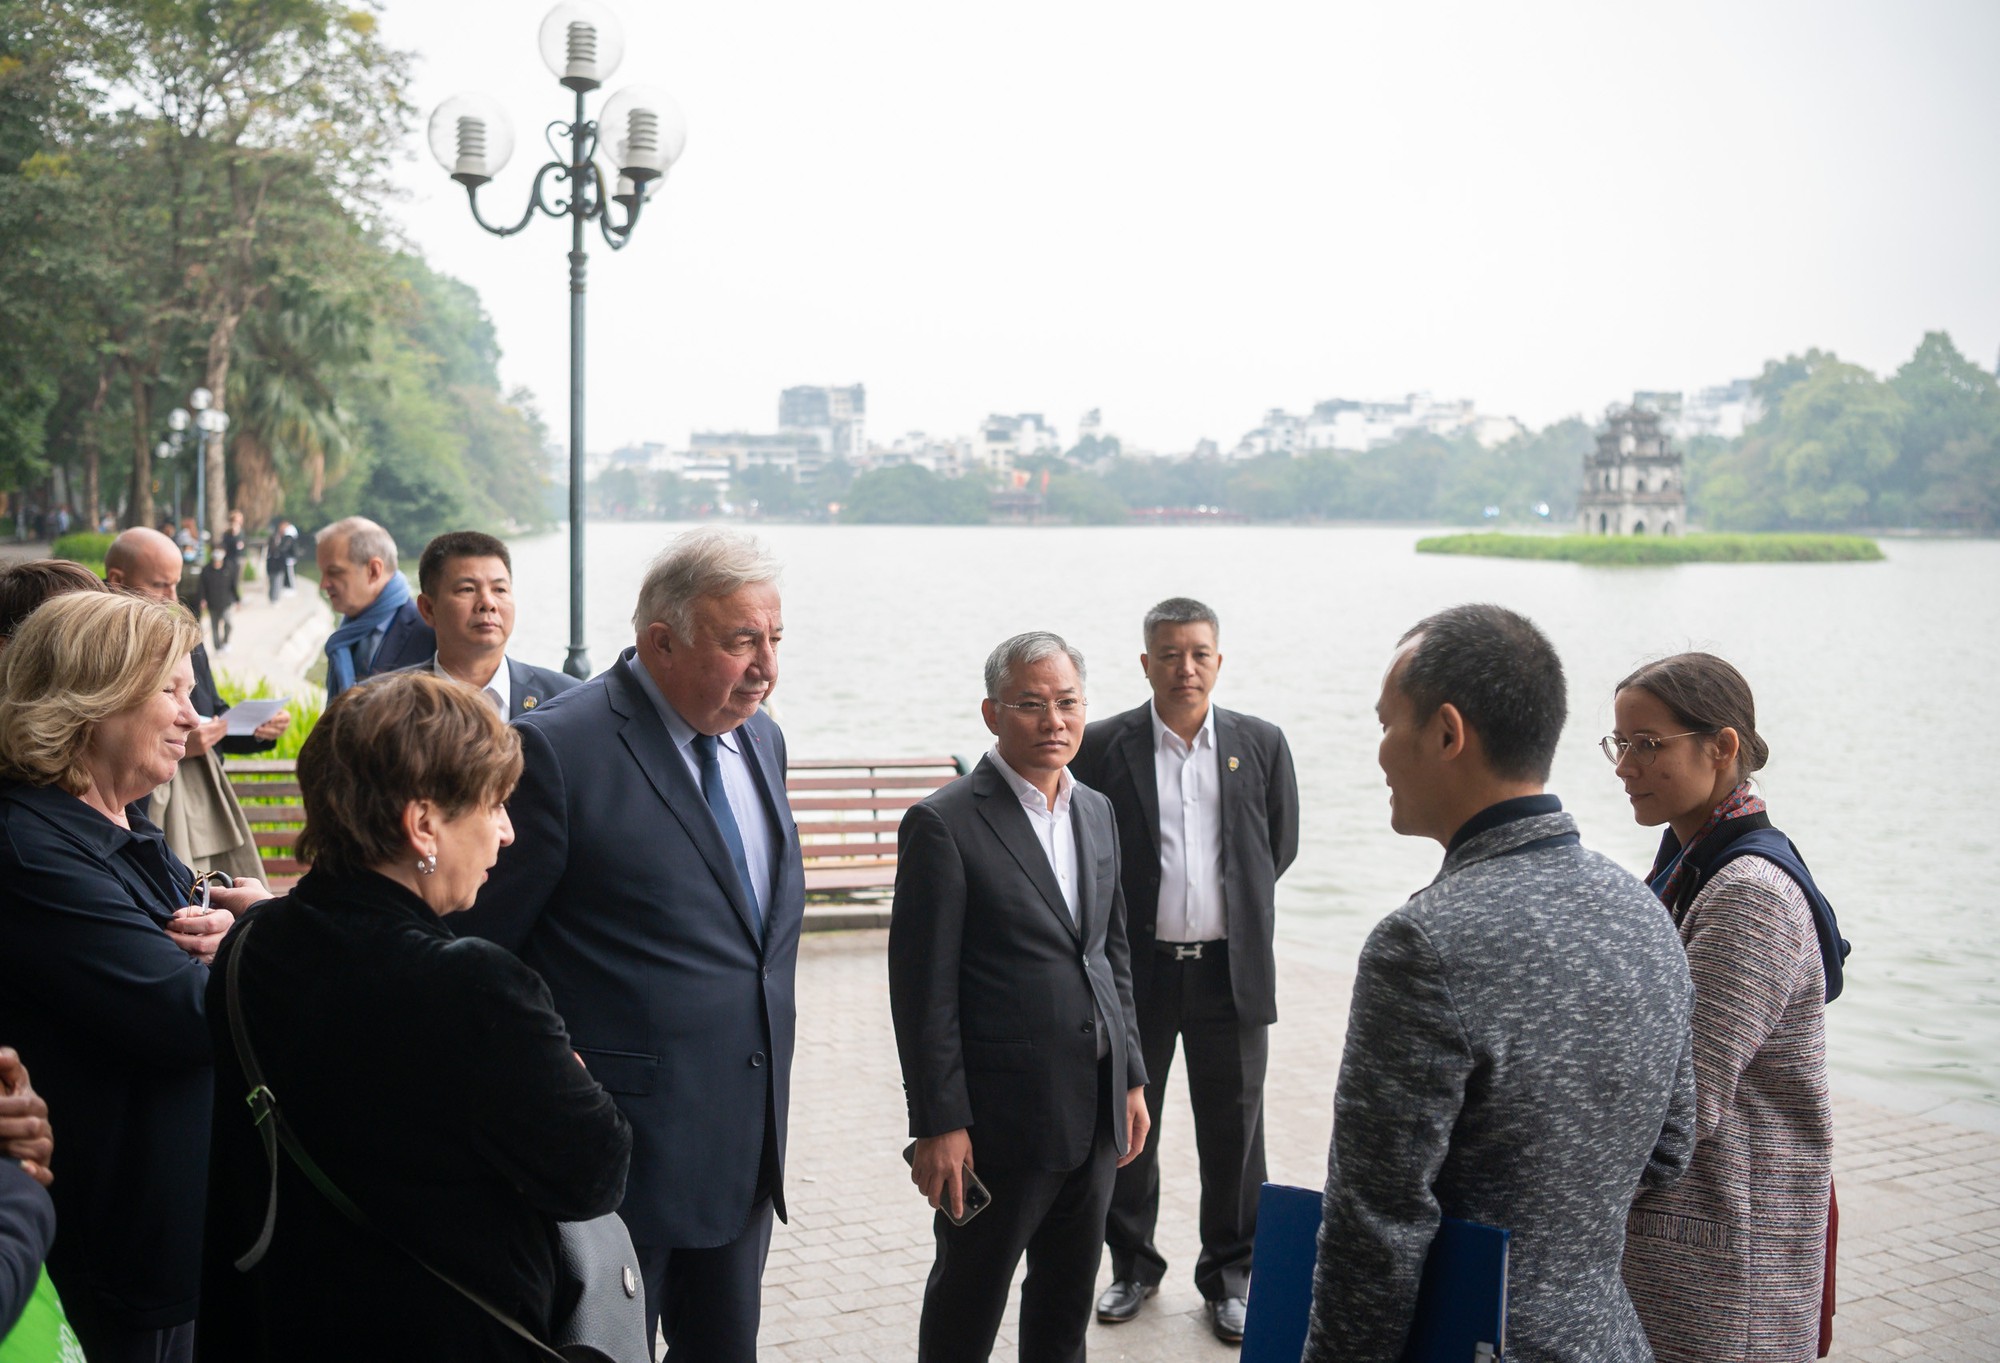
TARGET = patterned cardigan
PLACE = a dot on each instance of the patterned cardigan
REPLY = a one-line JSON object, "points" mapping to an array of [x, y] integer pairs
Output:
{"points": [[1727, 1264], [1517, 1054]]}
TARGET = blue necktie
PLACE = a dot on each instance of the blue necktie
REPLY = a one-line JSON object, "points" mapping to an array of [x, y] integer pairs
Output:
{"points": [[708, 750]]}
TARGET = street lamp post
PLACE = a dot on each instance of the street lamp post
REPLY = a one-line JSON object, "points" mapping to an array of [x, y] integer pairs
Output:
{"points": [[636, 139]]}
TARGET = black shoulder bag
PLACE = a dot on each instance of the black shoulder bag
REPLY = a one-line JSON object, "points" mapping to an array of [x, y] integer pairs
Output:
{"points": [[596, 1265]]}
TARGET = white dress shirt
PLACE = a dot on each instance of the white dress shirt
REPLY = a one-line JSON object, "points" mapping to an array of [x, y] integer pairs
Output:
{"points": [[1053, 829], [737, 783], [1189, 781], [500, 690]]}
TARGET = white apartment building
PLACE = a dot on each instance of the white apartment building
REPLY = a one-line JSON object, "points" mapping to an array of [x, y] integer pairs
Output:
{"points": [[1004, 440], [1344, 424]]}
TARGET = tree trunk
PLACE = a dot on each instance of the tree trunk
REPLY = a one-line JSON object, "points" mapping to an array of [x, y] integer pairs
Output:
{"points": [[220, 342], [258, 493], [93, 433], [139, 505]]}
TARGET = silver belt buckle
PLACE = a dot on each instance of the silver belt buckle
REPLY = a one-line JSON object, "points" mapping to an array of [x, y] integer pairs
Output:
{"points": [[1187, 951]]}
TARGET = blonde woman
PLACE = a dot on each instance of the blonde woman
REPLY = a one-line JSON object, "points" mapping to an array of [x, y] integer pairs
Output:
{"points": [[102, 974]]}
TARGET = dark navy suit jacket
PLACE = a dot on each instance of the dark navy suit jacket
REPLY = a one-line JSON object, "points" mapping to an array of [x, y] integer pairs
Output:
{"points": [[528, 685], [619, 891], [407, 640]]}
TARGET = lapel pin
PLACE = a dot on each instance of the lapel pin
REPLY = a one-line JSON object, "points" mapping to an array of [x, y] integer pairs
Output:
{"points": [[1232, 764], [528, 703]]}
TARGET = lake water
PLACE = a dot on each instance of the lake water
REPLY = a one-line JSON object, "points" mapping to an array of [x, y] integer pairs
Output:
{"points": [[1874, 684]]}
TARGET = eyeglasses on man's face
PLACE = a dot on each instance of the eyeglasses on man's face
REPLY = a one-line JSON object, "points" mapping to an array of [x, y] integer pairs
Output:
{"points": [[1068, 707], [1644, 748]]}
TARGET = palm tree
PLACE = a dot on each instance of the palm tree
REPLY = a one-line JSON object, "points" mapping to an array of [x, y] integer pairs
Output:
{"points": [[293, 361]]}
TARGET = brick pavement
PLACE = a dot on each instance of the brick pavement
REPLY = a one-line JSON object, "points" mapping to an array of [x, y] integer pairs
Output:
{"points": [[1920, 1200]]}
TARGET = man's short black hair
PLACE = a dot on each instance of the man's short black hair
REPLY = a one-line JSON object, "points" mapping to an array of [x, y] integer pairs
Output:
{"points": [[1504, 676], [457, 544]]}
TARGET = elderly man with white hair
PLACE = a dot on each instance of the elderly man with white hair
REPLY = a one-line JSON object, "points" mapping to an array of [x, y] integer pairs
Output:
{"points": [[655, 883], [382, 630]]}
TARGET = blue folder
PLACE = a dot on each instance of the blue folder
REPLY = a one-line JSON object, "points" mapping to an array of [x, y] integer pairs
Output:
{"points": [[1461, 1303]]}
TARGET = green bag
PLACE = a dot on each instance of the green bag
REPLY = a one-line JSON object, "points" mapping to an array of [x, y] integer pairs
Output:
{"points": [[42, 1334]]}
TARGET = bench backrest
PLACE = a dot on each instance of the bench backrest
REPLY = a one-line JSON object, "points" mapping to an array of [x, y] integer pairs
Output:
{"points": [[847, 812]]}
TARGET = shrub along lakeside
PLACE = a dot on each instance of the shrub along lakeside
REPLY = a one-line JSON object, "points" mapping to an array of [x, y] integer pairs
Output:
{"points": [[1645, 549]]}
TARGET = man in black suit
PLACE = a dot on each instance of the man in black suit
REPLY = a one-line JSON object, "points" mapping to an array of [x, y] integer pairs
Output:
{"points": [[465, 593], [1208, 819], [655, 882], [383, 630], [1011, 991]]}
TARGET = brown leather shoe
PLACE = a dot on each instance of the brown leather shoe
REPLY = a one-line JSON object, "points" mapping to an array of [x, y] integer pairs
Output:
{"points": [[1121, 1301], [1225, 1317]]}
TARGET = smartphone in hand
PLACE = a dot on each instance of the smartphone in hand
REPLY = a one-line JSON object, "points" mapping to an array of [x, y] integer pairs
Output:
{"points": [[977, 1199]]}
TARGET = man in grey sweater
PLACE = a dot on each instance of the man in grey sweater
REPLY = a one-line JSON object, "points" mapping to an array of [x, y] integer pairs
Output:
{"points": [[1518, 1051]]}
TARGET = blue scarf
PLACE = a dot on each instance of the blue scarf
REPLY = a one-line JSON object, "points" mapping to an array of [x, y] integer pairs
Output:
{"points": [[343, 648]]}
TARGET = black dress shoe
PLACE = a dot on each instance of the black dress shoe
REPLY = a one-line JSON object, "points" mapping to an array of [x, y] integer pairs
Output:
{"points": [[1121, 1301], [1225, 1317]]}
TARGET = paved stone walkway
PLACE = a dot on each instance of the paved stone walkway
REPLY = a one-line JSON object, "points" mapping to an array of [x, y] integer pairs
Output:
{"points": [[1919, 1199]]}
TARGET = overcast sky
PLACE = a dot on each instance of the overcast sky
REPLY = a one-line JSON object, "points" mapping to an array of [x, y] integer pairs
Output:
{"points": [[1188, 213]]}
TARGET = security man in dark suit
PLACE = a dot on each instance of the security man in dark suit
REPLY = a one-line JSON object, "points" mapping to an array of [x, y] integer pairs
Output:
{"points": [[1011, 991], [465, 593], [655, 882], [1208, 818]]}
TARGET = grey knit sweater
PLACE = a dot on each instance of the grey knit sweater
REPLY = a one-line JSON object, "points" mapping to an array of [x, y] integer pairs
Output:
{"points": [[1518, 1054]]}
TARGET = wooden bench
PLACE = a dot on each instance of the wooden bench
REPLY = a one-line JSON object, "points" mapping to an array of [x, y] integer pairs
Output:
{"points": [[847, 811]]}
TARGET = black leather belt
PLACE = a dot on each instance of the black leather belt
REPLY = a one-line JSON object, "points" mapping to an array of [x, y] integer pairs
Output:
{"points": [[1190, 951]]}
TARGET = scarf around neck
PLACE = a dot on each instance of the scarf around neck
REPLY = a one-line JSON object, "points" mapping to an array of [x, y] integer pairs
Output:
{"points": [[343, 646], [1666, 877]]}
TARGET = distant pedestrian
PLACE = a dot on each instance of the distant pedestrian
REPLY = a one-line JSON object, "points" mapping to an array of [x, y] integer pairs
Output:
{"points": [[219, 595], [383, 631], [1517, 1049], [1208, 819], [235, 547], [1729, 1265], [281, 553]]}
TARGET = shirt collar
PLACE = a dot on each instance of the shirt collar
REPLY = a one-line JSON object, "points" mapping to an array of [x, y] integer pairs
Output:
{"points": [[502, 684], [682, 732], [1507, 811], [1026, 792], [1204, 737]]}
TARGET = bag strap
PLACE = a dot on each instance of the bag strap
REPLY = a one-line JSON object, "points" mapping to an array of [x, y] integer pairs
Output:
{"points": [[276, 1132]]}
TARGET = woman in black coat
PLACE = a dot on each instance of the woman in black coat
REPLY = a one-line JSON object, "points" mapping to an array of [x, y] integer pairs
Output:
{"points": [[102, 968], [428, 1076]]}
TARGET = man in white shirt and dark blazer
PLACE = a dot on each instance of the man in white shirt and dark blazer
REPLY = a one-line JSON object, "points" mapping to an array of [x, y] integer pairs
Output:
{"points": [[1208, 819], [465, 593], [1011, 991]]}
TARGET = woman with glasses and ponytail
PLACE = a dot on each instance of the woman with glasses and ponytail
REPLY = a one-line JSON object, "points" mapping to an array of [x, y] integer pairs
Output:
{"points": [[1733, 1262]]}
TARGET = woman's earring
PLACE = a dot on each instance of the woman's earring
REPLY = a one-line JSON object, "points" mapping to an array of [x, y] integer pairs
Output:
{"points": [[428, 864]]}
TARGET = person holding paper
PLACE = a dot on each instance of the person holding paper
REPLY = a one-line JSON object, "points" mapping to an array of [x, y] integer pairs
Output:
{"points": [[1518, 1048]]}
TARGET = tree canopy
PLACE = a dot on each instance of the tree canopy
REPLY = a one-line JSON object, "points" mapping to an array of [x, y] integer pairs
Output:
{"points": [[191, 192]]}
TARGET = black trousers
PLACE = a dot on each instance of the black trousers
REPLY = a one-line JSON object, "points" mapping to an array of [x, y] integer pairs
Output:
{"points": [[708, 1301], [1190, 1001], [1057, 1220]]}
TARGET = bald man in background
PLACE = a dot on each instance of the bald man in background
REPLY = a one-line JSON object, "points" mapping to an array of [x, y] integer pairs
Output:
{"points": [[197, 810]]}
